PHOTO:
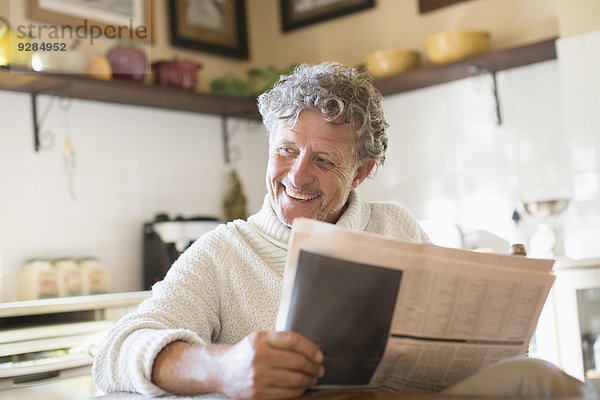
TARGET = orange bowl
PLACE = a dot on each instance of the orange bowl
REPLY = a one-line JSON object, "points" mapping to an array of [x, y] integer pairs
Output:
{"points": [[452, 46], [384, 63]]}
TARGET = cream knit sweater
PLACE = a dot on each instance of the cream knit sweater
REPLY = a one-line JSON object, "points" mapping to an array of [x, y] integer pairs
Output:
{"points": [[225, 286]]}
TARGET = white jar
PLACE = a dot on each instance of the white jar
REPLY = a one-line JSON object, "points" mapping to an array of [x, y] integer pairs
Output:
{"points": [[95, 277], [37, 279], [69, 277]]}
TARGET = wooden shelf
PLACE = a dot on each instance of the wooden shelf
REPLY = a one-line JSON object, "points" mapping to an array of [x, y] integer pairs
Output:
{"points": [[493, 61], [125, 92]]}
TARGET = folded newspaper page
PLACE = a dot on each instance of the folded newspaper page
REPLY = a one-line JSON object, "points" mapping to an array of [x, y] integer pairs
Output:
{"points": [[405, 316]]}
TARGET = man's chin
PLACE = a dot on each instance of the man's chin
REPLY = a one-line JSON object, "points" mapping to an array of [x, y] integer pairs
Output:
{"points": [[288, 220]]}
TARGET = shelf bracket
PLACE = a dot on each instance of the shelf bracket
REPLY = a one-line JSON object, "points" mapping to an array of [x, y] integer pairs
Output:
{"points": [[496, 98], [37, 121], [225, 135], [478, 70], [36, 124]]}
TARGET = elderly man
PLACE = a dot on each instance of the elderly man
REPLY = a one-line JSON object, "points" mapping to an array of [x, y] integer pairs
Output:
{"points": [[209, 326]]}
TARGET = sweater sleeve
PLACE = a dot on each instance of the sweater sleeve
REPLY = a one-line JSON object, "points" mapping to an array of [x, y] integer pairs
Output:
{"points": [[184, 306], [395, 222]]}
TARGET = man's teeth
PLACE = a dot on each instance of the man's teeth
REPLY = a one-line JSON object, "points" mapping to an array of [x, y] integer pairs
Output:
{"points": [[299, 196]]}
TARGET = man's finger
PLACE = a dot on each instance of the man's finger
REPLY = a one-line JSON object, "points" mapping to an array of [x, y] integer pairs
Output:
{"points": [[294, 362], [294, 341], [281, 378]]}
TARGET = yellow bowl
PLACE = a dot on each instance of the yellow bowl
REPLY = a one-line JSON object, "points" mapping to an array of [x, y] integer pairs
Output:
{"points": [[384, 63], [452, 46]]}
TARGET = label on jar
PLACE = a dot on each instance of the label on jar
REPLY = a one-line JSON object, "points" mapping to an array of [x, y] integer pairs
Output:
{"points": [[47, 285], [72, 283], [97, 282], [69, 278]]}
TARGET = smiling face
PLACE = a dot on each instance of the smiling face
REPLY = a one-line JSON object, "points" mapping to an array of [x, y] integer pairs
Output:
{"points": [[312, 168]]}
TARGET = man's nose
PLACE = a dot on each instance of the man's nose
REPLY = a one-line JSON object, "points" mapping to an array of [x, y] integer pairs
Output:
{"points": [[300, 174]]}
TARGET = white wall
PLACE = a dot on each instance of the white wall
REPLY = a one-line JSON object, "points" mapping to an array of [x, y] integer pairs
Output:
{"points": [[131, 163], [579, 61], [449, 161]]}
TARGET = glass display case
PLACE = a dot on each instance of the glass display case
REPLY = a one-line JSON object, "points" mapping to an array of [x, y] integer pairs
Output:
{"points": [[588, 309], [576, 313]]}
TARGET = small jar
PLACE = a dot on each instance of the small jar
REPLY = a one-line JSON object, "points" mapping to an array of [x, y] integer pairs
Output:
{"points": [[95, 276], [69, 277], [518, 250], [37, 279]]}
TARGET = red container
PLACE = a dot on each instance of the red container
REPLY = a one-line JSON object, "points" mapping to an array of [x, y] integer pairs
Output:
{"points": [[181, 74], [127, 62]]}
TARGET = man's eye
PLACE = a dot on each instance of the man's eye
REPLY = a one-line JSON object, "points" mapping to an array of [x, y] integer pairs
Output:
{"points": [[286, 150], [325, 163]]}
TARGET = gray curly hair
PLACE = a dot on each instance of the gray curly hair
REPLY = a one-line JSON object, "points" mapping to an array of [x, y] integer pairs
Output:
{"points": [[339, 93]]}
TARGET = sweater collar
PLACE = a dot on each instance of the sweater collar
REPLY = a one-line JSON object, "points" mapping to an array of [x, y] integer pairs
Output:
{"points": [[354, 218]]}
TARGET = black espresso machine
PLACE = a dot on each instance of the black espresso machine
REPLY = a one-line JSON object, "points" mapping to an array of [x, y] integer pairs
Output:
{"points": [[165, 239]]}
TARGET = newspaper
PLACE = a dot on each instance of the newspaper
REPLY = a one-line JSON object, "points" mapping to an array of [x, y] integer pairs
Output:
{"points": [[406, 316]]}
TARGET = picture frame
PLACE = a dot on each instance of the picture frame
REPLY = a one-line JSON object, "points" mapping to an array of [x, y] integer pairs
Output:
{"points": [[125, 19], [217, 27], [430, 5], [299, 13]]}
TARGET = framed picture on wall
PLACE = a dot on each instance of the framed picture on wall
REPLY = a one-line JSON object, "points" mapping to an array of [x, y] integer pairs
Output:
{"points": [[215, 26], [123, 19], [430, 5], [299, 13]]}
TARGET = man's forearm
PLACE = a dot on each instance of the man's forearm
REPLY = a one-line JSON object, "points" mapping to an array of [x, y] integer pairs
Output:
{"points": [[187, 369]]}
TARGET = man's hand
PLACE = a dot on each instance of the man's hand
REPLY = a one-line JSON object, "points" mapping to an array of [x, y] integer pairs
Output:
{"points": [[266, 365], [271, 365]]}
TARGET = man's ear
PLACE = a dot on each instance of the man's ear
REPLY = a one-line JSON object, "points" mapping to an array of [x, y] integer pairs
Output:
{"points": [[362, 172]]}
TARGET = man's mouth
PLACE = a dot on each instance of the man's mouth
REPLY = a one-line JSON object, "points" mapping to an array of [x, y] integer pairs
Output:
{"points": [[299, 196]]}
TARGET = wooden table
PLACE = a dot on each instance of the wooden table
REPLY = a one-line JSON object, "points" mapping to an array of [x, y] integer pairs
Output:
{"points": [[325, 395], [388, 395]]}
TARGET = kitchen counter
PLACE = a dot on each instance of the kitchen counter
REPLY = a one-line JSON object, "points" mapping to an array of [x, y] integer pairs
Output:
{"points": [[54, 340], [566, 263]]}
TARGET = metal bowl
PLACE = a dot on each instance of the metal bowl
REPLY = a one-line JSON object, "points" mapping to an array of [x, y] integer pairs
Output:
{"points": [[544, 208]]}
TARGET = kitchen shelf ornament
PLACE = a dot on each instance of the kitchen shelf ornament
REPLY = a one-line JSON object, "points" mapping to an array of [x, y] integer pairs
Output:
{"points": [[235, 201]]}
